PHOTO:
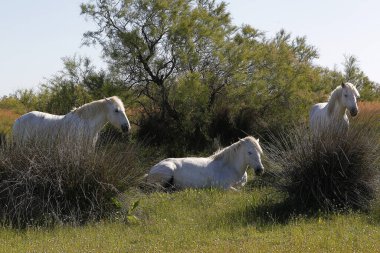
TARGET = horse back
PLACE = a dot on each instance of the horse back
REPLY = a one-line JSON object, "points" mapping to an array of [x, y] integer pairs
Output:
{"points": [[317, 108], [33, 123]]}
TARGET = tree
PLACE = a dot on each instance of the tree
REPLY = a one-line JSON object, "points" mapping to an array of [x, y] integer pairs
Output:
{"points": [[150, 44], [352, 73], [76, 84]]}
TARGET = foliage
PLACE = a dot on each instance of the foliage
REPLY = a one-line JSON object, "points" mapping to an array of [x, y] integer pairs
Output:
{"points": [[185, 60], [150, 43], [49, 185]]}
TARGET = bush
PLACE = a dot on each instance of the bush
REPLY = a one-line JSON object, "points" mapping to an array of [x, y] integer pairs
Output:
{"points": [[43, 186], [334, 172], [176, 138]]}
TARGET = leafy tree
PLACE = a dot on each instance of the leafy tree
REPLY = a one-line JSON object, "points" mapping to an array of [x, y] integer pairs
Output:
{"points": [[275, 88], [151, 43], [76, 84]]}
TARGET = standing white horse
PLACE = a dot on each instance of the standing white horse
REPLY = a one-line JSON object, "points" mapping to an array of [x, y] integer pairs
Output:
{"points": [[81, 126], [332, 115], [225, 169]]}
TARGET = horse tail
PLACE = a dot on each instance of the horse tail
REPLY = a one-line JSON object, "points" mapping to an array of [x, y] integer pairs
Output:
{"points": [[161, 174]]}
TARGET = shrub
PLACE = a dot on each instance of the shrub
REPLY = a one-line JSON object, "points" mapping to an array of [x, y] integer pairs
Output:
{"points": [[176, 138], [334, 172], [42, 186]]}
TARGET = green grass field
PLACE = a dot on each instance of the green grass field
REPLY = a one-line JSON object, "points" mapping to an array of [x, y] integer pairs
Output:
{"points": [[207, 221]]}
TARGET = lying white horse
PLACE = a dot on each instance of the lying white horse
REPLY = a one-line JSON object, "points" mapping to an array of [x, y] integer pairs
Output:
{"points": [[81, 126], [332, 115], [225, 169]]}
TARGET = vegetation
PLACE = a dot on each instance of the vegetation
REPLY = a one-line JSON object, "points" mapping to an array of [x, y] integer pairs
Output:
{"points": [[191, 80], [331, 172], [46, 186]]}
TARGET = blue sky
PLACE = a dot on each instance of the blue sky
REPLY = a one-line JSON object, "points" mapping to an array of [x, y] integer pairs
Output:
{"points": [[35, 35]]}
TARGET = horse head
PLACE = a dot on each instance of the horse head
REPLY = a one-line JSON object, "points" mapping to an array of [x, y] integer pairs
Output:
{"points": [[253, 154], [349, 98], [116, 114]]}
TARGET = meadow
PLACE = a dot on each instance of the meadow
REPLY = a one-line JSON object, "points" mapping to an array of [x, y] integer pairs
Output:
{"points": [[207, 221], [257, 218]]}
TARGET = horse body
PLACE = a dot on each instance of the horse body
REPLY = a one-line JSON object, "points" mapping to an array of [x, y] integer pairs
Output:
{"points": [[332, 115], [225, 169], [321, 120], [36, 123], [81, 125]]}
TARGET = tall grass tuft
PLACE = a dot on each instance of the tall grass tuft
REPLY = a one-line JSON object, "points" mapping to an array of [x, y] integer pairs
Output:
{"points": [[46, 185], [336, 171]]}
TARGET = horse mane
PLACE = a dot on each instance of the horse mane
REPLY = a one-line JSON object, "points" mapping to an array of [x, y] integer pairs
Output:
{"points": [[226, 154], [353, 89], [89, 110], [337, 93]]}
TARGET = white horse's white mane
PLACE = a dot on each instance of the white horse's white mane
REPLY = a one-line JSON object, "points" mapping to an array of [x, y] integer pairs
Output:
{"points": [[90, 109], [337, 93], [226, 154]]}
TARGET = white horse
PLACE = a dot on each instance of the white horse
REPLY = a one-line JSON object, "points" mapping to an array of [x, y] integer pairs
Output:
{"points": [[224, 169], [82, 125], [332, 115]]}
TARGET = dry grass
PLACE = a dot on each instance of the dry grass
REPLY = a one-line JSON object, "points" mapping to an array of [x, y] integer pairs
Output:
{"points": [[333, 172], [369, 107], [7, 117], [48, 185]]}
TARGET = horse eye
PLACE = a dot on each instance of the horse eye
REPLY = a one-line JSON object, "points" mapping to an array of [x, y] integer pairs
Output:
{"points": [[345, 95], [249, 153], [116, 110]]}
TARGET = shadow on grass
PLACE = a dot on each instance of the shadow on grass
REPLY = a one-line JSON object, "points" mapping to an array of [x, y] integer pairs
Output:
{"points": [[272, 209], [277, 209], [267, 213]]}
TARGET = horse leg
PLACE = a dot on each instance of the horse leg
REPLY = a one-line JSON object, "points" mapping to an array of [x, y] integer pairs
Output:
{"points": [[232, 189]]}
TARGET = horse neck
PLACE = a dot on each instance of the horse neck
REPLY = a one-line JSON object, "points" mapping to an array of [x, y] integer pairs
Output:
{"points": [[97, 121], [334, 105], [238, 162]]}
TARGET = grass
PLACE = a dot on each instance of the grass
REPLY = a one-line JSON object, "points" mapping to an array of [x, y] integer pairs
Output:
{"points": [[206, 221]]}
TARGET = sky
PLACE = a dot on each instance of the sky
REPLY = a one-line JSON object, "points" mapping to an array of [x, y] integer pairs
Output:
{"points": [[36, 35]]}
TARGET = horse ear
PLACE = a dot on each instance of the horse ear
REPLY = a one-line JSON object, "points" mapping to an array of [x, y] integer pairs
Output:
{"points": [[343, 85], [258, 140]]}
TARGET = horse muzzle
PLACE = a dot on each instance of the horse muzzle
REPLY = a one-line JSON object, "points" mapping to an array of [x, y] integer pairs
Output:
{"points": [[354, 112], [125, 128], [259, 171]]}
